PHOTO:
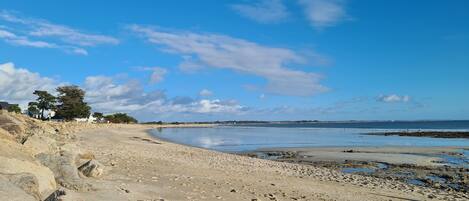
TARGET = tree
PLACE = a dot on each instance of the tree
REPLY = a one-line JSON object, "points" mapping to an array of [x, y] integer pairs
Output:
{"points": [[72, 103], [32, 109], [45, 101], [99, 116], [120, 118], [14, 108]]}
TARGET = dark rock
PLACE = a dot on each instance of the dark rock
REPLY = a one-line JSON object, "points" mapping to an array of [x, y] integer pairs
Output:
{"points": [[92, 168], [55, 196]]}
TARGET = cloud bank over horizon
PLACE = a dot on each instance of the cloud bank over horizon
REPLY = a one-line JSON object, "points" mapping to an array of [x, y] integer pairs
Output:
{"points": [[113, 94]]}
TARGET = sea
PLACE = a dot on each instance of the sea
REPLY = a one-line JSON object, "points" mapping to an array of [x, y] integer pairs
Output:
{"points": [[255, 136]]}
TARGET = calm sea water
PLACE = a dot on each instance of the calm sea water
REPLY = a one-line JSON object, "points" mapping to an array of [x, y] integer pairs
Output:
{"points": [[251, 137]]}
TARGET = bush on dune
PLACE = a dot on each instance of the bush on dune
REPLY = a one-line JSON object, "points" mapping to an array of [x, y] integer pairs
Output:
{"points": [[120, 118]]}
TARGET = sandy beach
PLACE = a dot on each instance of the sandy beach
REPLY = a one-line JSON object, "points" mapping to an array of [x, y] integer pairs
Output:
{"points": [[87, 162], [139, 167]]}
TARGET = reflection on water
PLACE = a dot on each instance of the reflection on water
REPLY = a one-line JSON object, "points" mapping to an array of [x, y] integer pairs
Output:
{"points": [[234, 139], [416, 182], [358, 170], [209, 142]]}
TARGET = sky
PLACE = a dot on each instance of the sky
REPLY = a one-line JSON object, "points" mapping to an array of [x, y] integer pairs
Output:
{"points": [[243, 60]]}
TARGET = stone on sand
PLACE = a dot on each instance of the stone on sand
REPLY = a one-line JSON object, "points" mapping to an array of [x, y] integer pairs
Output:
{"points": [[65, 170], [92, 168]]}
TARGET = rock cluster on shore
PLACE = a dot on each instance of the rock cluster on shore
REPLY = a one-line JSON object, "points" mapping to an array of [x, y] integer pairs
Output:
{"points": [[39, 159]]}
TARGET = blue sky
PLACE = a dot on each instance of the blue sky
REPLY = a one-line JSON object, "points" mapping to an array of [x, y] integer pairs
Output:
{"points": [[246, 60]]}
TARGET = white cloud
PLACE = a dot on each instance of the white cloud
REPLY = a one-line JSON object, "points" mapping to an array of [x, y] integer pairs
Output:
{"points": [[102, 88], [324, 13], [263, 11], [205, 92], [220, 51], [189, 65], [157, 73], [6, 34], [393, 98], [23, 41], [111, 94], [106, 95], [18, 84], [52, 35], [79, 51], [70, 35], [29, 43], [13, 39], [205, 106]]}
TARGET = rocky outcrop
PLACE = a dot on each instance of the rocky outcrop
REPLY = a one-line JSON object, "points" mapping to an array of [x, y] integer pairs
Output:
{"points": [[36, 157], [13, 126], [14, 159], [11, 192], [44, 176], [27, 182]]}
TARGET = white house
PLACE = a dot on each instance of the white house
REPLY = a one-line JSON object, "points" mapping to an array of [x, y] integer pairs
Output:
{"points": [[90, 119], [49, 114]]}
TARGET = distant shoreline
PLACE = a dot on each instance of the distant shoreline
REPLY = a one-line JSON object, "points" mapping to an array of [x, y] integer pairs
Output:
{"points": [[433, 134], [306, 122]]}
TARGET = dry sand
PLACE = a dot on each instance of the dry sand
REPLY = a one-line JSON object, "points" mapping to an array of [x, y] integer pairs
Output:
{"points": [[138, 167]]}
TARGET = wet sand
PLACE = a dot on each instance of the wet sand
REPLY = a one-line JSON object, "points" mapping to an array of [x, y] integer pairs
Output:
{"points": [[444, 168], [396, 155]]}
